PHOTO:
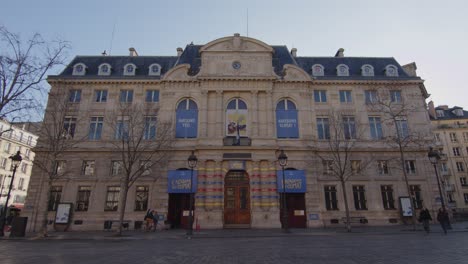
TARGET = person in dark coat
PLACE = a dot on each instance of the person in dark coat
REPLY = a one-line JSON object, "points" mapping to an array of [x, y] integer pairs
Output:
{"points": [[443, 219], [425, 217], [155, 220], [149, 220]]}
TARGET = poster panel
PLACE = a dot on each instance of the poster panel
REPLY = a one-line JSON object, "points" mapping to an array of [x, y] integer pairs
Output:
{"points": [[178, 181], [236, 122], [186, 123], [286, 124], [62, 215]]}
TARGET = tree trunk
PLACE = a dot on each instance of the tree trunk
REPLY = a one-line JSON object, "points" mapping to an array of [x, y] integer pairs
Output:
{"points": [[45, 215], [345, 199], [123, 202], [413, 206]]}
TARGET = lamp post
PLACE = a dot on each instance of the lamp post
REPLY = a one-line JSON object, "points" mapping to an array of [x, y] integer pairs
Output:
{"points": [[283, 161], [192, 163], [434, 157], [15, 161]]}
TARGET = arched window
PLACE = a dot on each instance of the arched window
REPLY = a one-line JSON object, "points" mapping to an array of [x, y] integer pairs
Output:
{"points": [[129, 69], [317, 70], [186, 119], [104, 69], [154, 69], [79, 69], [367, 70], [286, 120], [391, 71], [236, 118], [342, 70]]}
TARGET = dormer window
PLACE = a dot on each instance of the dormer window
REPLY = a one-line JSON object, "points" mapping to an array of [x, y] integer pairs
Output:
{"points": [[440, 113], [367, 70], [104, 69], [342, 70], [317, 70], [154, 70], [79, 69], [129, 69], [458, 112], [391, 71]]}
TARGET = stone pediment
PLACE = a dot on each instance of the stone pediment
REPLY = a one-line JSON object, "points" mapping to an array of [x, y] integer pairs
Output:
{"points": [[179, 73], [236, 57]]}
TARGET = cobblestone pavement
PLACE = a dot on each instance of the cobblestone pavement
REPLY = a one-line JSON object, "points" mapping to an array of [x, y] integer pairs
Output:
{"points": [[242, 246]]}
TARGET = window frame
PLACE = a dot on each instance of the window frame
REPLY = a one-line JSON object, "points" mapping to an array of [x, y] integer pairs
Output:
{"points": [[96, 125], [388, 200], [55, 195], [100, 96], [126, 96], [74, 96], [331, 198], [359, 196], [112, 198], [345, 96], [82, 198], [320, 96], [142, 204], [375, 126]]}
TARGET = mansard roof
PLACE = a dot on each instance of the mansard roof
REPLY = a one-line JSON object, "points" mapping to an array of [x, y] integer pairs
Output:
{"points": [[449, 113], [281, 56]]}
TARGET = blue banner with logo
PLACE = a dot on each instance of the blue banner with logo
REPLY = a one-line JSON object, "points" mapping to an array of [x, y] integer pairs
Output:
{"points": [[286, 124], [186, 123], [178, 181], [294, 180]]}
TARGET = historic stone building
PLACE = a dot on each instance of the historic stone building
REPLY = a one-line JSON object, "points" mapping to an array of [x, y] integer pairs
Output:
{"points": [[450, 127], [236, 102]]}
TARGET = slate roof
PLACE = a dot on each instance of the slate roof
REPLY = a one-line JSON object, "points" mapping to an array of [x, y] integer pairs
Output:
{"points": [[449, 114], [191, 55]]}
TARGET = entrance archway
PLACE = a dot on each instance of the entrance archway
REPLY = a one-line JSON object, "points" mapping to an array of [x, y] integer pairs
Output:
{"points": [[236, 200]]}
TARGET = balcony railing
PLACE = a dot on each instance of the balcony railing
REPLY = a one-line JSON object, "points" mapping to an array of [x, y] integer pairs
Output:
{"points": [[234, 141]]}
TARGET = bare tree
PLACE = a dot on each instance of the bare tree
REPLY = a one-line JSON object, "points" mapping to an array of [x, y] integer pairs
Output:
{"points": [[395, 113], [23, 69], [143, 143], [338, 151], [56, 137]]}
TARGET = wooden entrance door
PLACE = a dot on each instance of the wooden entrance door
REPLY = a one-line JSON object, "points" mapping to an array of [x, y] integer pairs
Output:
{"points": [[236, 200], [295, 203]]}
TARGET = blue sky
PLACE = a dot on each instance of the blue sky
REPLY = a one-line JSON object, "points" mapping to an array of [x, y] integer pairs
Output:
{"points": [[434, 34]]}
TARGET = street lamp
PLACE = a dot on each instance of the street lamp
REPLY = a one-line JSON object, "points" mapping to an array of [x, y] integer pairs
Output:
{"points": [[15, 162], [434, 157], [283, 161], [192, 163]]}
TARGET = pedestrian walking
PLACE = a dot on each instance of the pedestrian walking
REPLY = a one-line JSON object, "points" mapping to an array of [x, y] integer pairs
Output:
{"points": [[425, 217], [155, 220], [149, 218], [443, 218]]}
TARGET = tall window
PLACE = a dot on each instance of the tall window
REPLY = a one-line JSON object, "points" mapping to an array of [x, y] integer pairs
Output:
{"points": [[460, 167], [417, 197], [463, 181], [186, 119], [359, 194], [456, 151], [150, 127], [375, 128], [382, 166], [21, 184], [395, 96], [331, 201], [323, 128], [60, 166], [141, 198], [69, 126], [349, 127], [126, 96], [402, 127], [320, 96], [286, 119], [116, 167], [7, 147], [236, 118], [95, 128], [24, 167], [465, 136], [345, 97], [371, 96], [88, 167], [75, 96], [387, 197], [327, 166], [3, 163], [355, 166], [55, 194], [100, 96], [453, 137], [112, 198], [82, 199], [410, 166], [29, 140], [122, 129], [152, 96], [465, 196]]}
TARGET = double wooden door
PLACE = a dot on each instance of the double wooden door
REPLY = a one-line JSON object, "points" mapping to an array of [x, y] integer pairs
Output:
{"points": [[236, 200]]}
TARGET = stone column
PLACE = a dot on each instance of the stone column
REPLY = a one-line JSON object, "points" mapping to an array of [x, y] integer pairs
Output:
{"points": [[270, 114], [204, 115], [221, 113], [255, 124]]}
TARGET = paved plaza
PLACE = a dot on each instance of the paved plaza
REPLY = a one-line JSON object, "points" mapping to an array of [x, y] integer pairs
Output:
{"points": [[363, 245]]}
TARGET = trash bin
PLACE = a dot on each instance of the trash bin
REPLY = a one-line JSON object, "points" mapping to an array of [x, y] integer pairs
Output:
{"points": [[18, 226]]}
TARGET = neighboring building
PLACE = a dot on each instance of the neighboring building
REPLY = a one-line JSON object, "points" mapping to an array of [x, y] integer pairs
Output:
{"points": [[236, 101], [16, 137], [450, 127]]}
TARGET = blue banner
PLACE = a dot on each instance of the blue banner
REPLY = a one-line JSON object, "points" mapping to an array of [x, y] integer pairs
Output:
{"points": [[294, 180], [178, 181], [186, 123], [286, 124]]}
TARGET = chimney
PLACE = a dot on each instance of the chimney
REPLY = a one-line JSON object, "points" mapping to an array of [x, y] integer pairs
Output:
{"points": [[410, 69], [340, 53], [294, 52], [432, 111], [133, 52], [179, 51]]}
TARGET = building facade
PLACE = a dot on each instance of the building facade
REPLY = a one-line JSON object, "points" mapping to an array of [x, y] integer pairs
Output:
{"points": [[450, 126], [235, 102], [14, 138]]}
